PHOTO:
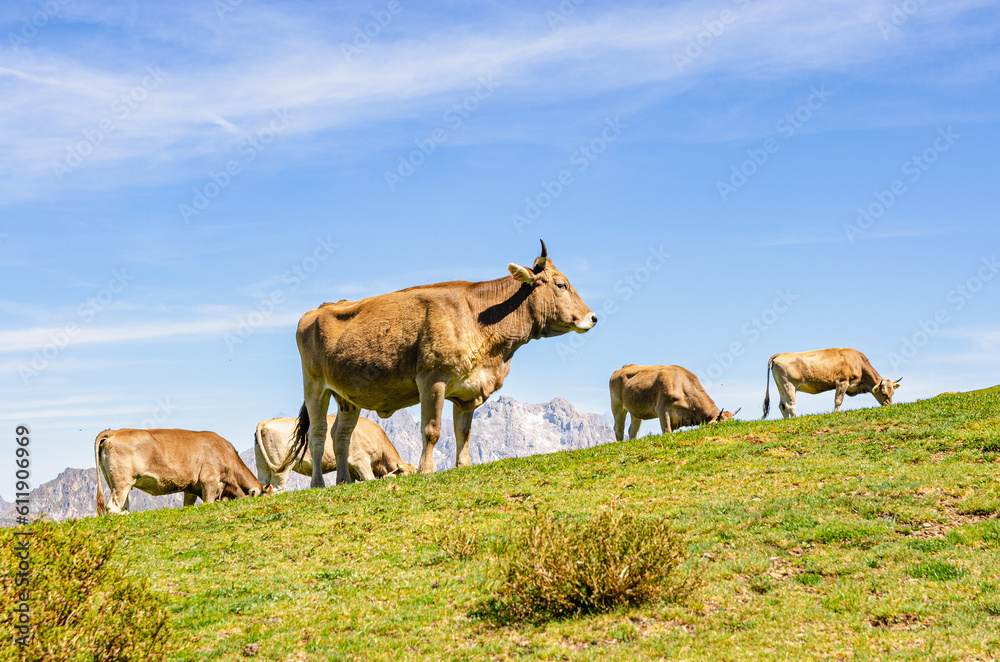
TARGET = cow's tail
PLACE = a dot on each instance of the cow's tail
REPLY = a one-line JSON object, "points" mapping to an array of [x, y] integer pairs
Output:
{"points": [[102, 508], [299, 440], [261, 452], [767, 388]]}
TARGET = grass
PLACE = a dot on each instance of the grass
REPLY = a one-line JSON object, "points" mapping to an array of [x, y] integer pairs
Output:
{"points": [[870, 534]]}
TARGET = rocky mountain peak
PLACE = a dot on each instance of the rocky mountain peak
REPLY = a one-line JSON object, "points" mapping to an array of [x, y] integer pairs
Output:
{"points": [[501, 428]]}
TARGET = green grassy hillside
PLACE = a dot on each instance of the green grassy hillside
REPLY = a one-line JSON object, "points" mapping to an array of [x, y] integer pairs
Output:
{"points": [[870, 534]]}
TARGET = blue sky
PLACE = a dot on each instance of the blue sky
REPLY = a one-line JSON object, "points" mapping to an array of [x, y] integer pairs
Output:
{"points": [[721, 181]]}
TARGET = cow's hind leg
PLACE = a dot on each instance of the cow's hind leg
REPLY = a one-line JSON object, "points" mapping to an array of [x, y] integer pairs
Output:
{"points": [[463, 425], [786, 390], [317, 402], [343, 428], [431, 403], [787, 406], [619, 414], [118, 498]]}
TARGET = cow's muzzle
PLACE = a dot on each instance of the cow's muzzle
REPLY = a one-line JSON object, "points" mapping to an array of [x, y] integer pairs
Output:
{"points": [[586, 324]]}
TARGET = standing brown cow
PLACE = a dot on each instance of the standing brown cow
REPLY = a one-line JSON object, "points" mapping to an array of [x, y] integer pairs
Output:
{"points": [[449, 341], [200, 464], [670, 393], [847, 371]]}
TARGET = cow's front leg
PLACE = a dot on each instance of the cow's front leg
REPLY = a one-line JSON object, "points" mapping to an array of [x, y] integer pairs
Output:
{"points": [[463, 424], [838, 398], [211, 491], [664, 416], [343, 428], [431, 404], [633, 428]]}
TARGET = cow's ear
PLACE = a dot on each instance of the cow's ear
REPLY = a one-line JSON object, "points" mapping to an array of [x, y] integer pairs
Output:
{"points": [[520, 273]]}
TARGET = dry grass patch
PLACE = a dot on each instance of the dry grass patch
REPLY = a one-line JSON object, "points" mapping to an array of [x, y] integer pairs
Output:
{"points": [[559, 568]]}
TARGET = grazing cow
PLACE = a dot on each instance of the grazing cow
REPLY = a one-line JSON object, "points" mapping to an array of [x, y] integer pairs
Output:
{"points": [[427, 344], [200, 464], [371, 455], [670, 393], [845, 370]]}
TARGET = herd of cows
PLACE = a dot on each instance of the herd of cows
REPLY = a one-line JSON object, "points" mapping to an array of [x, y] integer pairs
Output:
{"points": [[423, 345]]}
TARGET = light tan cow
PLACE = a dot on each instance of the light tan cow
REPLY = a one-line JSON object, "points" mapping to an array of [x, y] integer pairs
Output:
{"points": [[371, 455], [158, 461], [846, 371], [427, 344], [669, 393]]}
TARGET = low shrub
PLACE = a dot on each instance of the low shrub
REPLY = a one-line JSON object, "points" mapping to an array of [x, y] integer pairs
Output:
{"points": [[81, 605], [558, 568]]}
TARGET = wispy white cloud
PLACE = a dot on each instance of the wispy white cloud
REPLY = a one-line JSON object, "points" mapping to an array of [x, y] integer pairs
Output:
{"points": [[838, 238], [270, 60], [983, 338], [39, 337]]}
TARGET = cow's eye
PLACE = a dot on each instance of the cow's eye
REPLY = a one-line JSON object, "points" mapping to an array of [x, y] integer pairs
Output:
{"points": [[561, 286]]}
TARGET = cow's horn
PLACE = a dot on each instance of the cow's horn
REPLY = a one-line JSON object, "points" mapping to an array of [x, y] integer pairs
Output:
{"points": [[736, 412], [542, 259]]}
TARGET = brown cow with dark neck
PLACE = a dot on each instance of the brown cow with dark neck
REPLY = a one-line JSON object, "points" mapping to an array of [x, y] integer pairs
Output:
{"points": [[162, 461], [448, 341], [670, 393], [843, 370]]}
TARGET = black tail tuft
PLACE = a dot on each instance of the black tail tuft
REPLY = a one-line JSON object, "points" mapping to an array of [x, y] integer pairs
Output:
{"points": [[767, 391], [299, 440]]}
